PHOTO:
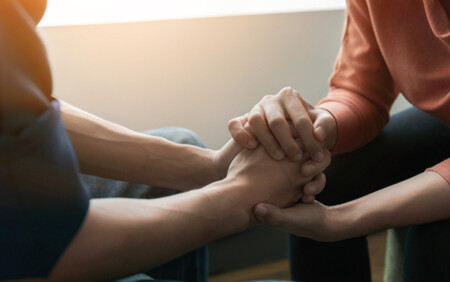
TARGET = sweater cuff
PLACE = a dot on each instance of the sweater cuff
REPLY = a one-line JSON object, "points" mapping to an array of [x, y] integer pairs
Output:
{"points": [[443, 169]]}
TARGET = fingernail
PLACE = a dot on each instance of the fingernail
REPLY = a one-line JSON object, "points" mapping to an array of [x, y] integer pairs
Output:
{"points": [[318, 156], [298, 157], [261, 211], [252, 144], [309, 169], [279, 154]]}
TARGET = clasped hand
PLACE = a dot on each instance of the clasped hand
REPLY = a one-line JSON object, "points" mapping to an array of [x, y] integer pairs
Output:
{"points": [[296, 137]]}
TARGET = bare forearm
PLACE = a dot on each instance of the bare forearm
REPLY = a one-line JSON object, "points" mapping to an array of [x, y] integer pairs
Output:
{"points": [[122, 237], [110, 150], [420, 199]]}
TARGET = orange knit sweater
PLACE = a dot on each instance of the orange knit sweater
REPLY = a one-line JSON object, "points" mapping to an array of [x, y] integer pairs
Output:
{"points": [[390, 47]]}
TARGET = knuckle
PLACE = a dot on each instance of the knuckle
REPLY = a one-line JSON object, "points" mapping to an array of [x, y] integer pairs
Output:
{"points": [[324, 181], [321, 177], [289, 92], [316, 148], [327, 158], [254, 119], [291, 149], [276, 121], [248, 128], [231, 124], [266, 98], [302, 123], [241, 137], [269, 145], [320, 181], [287, 89], [270, 148]]}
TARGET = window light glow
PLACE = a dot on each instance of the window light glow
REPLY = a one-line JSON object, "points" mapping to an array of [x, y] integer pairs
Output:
{"points": [[80, 12]]}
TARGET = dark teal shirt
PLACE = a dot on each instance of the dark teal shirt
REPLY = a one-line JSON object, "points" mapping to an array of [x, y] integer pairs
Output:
{"points": [[42, 201]]}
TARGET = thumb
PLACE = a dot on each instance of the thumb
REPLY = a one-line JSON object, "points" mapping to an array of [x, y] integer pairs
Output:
{"points": [[325, 128], [269, 214]]}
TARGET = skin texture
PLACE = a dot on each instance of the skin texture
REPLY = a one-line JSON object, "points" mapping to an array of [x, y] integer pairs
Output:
{"points": [[277, 120], [141, 158], [286, 124], [401, 204], [396, 205]]}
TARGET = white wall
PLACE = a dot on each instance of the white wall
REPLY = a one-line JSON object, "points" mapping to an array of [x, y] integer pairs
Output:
{"points": [[194, 73]]}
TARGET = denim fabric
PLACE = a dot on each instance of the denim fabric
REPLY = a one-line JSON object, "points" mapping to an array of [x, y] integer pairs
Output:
{"points": [[190, 267], [411, 142]]}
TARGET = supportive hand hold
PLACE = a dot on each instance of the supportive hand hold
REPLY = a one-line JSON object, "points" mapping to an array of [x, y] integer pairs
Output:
{"points": [[278, 119]]}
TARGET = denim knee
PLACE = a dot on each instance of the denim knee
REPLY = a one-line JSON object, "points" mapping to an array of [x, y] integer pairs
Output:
{"points": [[178, 135]]}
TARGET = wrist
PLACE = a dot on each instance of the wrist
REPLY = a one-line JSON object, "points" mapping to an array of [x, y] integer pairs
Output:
{"points": [[343, 221], [211, 171], [202, 170], [223, 158], [232, 194]]}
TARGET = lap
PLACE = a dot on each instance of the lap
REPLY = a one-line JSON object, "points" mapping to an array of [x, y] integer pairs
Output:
{"points": [[410, 143], [100, 187]]}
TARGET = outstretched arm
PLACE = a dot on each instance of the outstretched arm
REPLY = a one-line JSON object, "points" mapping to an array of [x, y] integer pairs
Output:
{"points": [[122, 236], [109, 150], [420, 199]]}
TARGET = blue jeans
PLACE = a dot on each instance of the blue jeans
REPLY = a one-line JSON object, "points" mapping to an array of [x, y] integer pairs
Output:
{"points": [[410, 143], [190, 267]]}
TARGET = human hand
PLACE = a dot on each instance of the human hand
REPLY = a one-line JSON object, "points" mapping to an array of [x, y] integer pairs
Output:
{"points": [[268, 180], [315, 221], [269, 123], [278, 121], [222, 158]]}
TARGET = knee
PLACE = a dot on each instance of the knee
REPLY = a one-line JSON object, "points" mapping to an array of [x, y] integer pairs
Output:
{"points": [[426, 252], [186, 136], [178, 135], [348, 178], [430, 237], [342, 183]]}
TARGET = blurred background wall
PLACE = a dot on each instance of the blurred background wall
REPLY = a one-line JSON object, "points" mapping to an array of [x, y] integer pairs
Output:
{"points": [[193, 73]]}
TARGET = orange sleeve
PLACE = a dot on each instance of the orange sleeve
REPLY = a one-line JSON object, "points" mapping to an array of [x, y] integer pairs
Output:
{"points": [[362, 90], [443, 168]]}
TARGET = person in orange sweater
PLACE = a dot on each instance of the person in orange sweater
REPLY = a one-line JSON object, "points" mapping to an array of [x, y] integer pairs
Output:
{"points": [[383, 173]]}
